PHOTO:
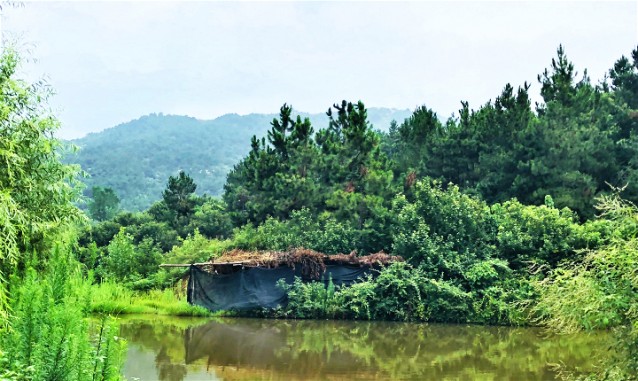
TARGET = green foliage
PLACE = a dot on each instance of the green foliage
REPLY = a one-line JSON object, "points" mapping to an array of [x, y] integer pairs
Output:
{"points": [[580, 140], [398, 294], [444, 231], [413, 139], [49, 336], [136, 158], [133, 256], [151, 236], [313, 300], [355, 301], [324, 234], [340, 171], [600, 291], [260, 185], [45, 334], [505, 302], [36, 189], [196, 248], [541, 235], [128, 262], [211, 219], [484, 274], [104, 204], [160, 233], [446, 302], [178, 195]]}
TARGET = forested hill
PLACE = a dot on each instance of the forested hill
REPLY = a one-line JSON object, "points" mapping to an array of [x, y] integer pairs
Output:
{"points": [[136, 158]]}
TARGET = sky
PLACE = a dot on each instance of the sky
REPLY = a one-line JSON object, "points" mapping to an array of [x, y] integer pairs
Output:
{"points": [[111, 62]]}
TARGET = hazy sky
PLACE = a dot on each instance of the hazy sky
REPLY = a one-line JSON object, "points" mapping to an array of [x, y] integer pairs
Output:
{"points": [[112, 62]]}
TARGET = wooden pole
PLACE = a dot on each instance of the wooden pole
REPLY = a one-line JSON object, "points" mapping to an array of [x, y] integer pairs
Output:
{"points": [[203, 264]]}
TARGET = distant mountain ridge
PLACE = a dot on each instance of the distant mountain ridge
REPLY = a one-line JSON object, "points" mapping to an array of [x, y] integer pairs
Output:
{"points": [[136, 158]]}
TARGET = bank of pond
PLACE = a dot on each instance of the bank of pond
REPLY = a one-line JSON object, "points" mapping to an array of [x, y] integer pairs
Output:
{"points": [[182, 349]]}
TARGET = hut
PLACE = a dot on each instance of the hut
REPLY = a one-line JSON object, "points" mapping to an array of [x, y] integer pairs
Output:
{"points": [[243, 280]]}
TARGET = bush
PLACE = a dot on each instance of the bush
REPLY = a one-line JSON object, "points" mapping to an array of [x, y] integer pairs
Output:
{"points": [[196, 248], [356, 301], [542, 235], [398, 294], [127, 262], [211, 220], [49, 335], [442, 231], [600, 292], [312, 300], [445, 302], [324, 234]]}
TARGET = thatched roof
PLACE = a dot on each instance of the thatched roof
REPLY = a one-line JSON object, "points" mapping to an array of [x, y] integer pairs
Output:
{"points": [[272, 259], [312, 263]]}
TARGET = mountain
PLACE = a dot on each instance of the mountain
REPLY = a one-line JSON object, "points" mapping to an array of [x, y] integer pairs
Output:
{"points": [[136, 158]]}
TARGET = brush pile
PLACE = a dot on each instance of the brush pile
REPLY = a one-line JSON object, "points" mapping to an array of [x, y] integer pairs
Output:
{"points": [[312, 263]]}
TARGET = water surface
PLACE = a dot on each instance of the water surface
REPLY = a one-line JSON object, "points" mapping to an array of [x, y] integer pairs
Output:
{"points": [[175, 349]]}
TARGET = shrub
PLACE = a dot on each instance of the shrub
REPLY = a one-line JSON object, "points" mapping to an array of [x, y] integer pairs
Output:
{"points": [[127, 262], [398, 293], [312, 300], [529, 234], [600, 291], [445, 302], [442, 231], [49, 335], [196, 248]]}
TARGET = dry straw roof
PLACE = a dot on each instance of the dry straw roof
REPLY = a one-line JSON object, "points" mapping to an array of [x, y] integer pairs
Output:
{"points": [[312, 263]]}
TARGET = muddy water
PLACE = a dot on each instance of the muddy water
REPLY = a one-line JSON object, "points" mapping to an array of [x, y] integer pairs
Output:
{"points": [[257, 349]]}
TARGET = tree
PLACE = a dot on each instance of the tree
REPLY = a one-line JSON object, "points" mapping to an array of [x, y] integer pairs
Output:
{"points": [[412, 141], [211, 219], [623, 88], [559, 84], [575, 158], [104, 204], [37, 190], [340, 170], [278, 175], [178, 194], [503, 144], [347, 145]]}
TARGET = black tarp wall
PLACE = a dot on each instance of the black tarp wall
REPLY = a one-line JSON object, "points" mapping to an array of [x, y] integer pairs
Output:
{"points": [[256, 287]]}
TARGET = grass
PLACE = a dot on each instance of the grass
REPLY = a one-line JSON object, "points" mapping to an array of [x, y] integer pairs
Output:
{"points": [[113, 298]]}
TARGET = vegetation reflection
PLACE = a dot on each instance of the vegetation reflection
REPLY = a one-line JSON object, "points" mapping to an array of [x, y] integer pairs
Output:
{"points": [[292, 349]]}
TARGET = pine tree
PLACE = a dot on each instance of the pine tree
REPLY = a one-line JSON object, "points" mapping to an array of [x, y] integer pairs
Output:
{"points": [[178, 194]]}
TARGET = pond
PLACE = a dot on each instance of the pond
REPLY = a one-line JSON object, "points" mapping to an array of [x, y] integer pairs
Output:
{"points": [[175, 349]]}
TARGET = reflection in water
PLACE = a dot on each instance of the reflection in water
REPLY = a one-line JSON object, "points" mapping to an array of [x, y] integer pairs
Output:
{"points": [[249, 349]]}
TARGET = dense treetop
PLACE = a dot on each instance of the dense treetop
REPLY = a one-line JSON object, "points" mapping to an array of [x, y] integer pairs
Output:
{"points": [[136, 158]]}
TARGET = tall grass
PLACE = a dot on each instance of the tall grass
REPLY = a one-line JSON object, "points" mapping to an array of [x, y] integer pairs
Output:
{"points": [[113, 298], [48, 335]]}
